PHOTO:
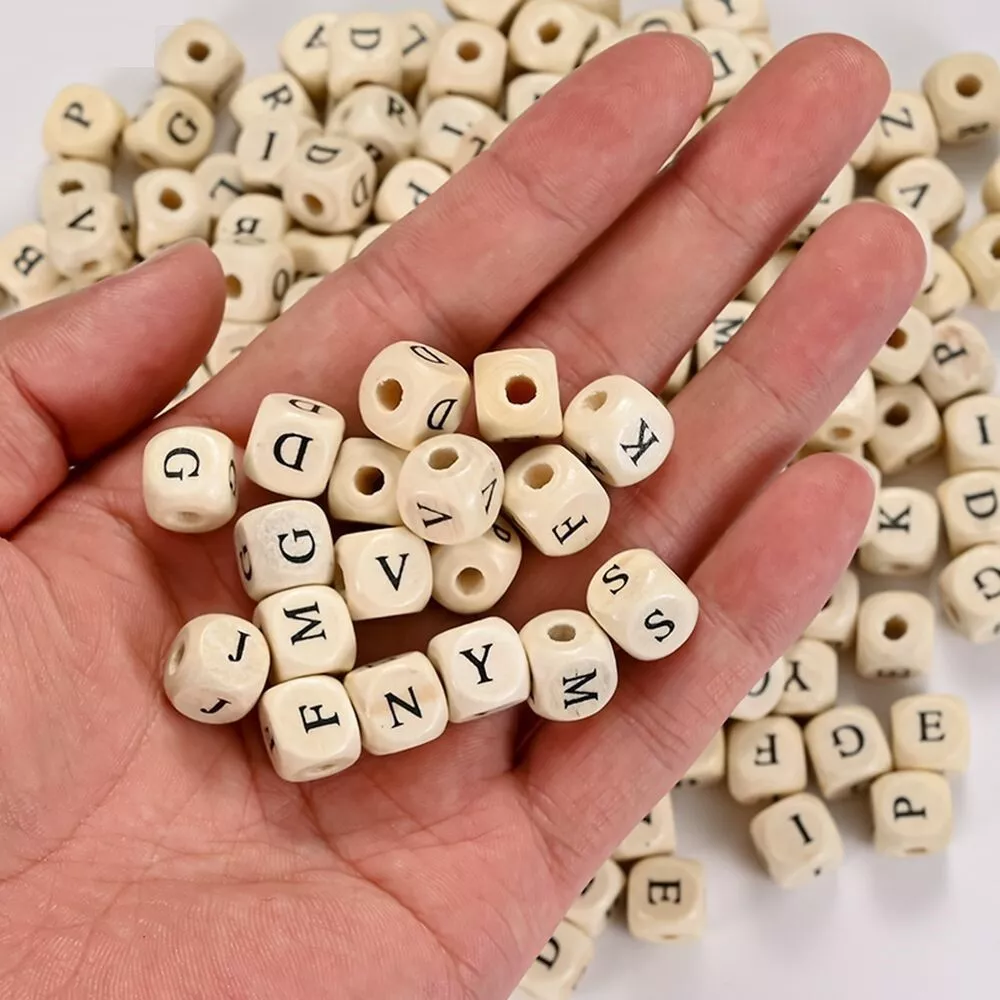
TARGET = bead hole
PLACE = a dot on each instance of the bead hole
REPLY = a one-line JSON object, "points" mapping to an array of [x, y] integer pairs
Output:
{"points": [[368, 480], [520, 390], [995, 250], [969, 85], [562, 633], [198, 51], [470, 580], [595, 400], [539, 475], [898, 340], [442, 458], [90, 266], [897, 415], [312, 204], [895, 628], [389, 394], [175, 658], [68, 187], [549, 32], [234, 287], [841, 433], [170, 199], [916, 850], [469, 51], [188, 517]]}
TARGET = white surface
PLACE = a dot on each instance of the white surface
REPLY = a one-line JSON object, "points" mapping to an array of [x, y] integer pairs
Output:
{"points": [[882, 928]]}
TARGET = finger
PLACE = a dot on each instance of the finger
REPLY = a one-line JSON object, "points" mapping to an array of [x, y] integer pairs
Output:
{"points": [[589, 783], [78, 373]]}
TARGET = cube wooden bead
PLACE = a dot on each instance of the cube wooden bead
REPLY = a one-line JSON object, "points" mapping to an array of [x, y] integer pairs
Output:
{"points": [[216, 669], [765, 759], [930, 732], [175, 129], [555, 501], [592, 908], [257, 277], [274, 93], [495, 13], [366, 237], [679, 377], [991, 188], [550, 36], [561, 964], [908, 429], [764, 49], [906, 128], [473, 577], [619, 430], [305, 53], [970, 509], [523, 91], [722, 329], [906, 351], [949, 289], [927, 238], [642, 604], [517, 395], [27, 273], [315, 254], [733, 64], [847, 748], [838, 195], [63, 178], [655, 833], [574, 673], [733, 15], [960, 364], [410, 392], [383, 573], [926, 186], [365, 48], [406, 187], [895, 636], [310, 728], [219, 178], [476, 140], [379, 119], [189, 480], [659, 19], [812, 679], [83, 123], [283, 545], [299, 291], [710, 766], [199, 56], [764, 696], [89, 238], [170, 206], [329, 185], [309, 631], [853, 422], [836, 621], [862, 156], [906, 540], [964, 94], [267, 145], [978, 252], [419, 31], [665, 899], [446, 122], [972, 434], [400, 703], [471, 59], [970, 593], [232, 340], [912, 811], [363, 485], [483, 667], [797, 840]]}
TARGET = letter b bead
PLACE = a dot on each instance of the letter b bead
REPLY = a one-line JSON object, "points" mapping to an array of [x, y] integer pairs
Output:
{"points": [[642, 604]]}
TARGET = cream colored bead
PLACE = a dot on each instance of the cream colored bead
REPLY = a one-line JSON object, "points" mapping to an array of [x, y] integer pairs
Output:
{"points": [[654, 834], [560, 965], [170, 206], [232, 340], [961, 363], [970, 593], [912, 811], [679, 378], [906, 128], [733, 64], [309, 631], [198, 378], [930, 732], [666, 899], [550, 36], [710, 766], [88, 237], [767, 277], [27, 273], [476, 140], [471, 59], [847, 749], [949, 290], [659, 19], [274, 93], [573, 669], [406, 187], [972, 434], [216, 668], [764, 696], [199, 56], [293, 444], [366, 237], [733, 15], [517, 395], [608, 13], [83, 123], [906, 351], [970, 509], [305, 53], [283, 545], [978, 252], [592, 908], [400, 703], [411, 392], [853, 422], [383, 573], [473, 577], [257, 277], [863, 155], [309, 728], [836, 621], [723, 328], [419, 31], [495, 13], [895, 636], [619, 429], [812, 681], [483, 667], [266, 147], [906, 540], [908, 429], [299, 291], [991, 188], [64, 178], [315, 254], [797, 840], [365, 48], [763, 48], [765, 758], [379, 119], [362, 488], [964, 93], [875, 474], [446, 122], [838, 195], [175, 129], [523, 91], [555, 500], [926, 186], [219, 178], [602, 43], [927, 238]]}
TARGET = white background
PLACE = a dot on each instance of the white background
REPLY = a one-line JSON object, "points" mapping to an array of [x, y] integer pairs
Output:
{"points": [[915, 928]]}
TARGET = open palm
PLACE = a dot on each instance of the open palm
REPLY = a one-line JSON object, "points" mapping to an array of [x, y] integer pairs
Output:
{"points": [[142, 855]]}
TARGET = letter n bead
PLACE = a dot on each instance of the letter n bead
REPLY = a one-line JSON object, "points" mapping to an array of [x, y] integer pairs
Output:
{"points": [[642, 604]]}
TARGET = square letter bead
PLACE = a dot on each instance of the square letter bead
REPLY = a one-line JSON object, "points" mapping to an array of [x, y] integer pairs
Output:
{"points": [[766, 758], [764, 696], [642, 604], [88, 237], [27, 273], [895, 636], [309, 630], [560, 965], [970, 508], [363, 485], [273, 93], [912, 812], [257, 277], [964, 93], [420, 31], [906, 128], [550, 36], [555, 500], [216, 669], [797, 840], [523, 91], [63, 178], [381, 120], [189, 479], [471, 59], [573, 669], [654, 834], [666, 899], [283, 545], [837, 619], [411, 392], [906, 351], [483, 667], [724, 327], [853, 422], [926, 186], [199, 56], [310, 729], [838, 195], [292, 446], [170, 206], [960, 364], [399, 702], [733, 64], [593, 906], [383, 573], [812, 682], [517, 395], [406, 187], [710, 766], [305, 53], [906, 540], [365, 48], [233, 339], [316, 254], [619, 430], [218, 176], [908, 428], [174, 130], [949, 289], [472, 577], [972, 434], [267, 145], [83, 123], [970, 592], [847, 748], [447, 121], [976, 251], [930, 732], [733, 15]]}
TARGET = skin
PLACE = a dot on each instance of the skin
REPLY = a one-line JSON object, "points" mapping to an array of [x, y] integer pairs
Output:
{"points": [[144, 856]]}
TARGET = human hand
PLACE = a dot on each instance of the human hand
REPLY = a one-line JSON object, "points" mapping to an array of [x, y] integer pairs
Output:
{"points": [[144, 856]]}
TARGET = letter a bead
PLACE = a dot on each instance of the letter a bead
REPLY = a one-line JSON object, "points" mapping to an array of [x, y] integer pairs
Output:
{"points": [[642, 604]]}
